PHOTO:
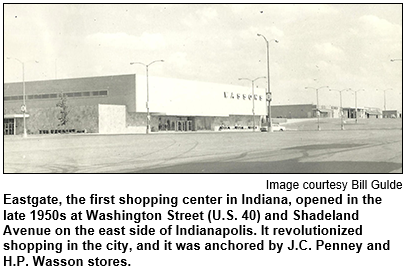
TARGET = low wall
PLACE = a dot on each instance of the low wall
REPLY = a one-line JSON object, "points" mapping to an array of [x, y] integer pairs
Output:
{"points": [[112, 119]]}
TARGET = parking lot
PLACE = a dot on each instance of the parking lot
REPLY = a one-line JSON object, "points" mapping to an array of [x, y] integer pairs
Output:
{"points": [[371, 146]]}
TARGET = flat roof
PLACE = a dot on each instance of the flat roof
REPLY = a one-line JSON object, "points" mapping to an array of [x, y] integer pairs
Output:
{"points": [[15, 115]]}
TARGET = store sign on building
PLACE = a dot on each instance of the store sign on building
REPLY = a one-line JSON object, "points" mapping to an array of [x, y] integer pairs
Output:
{"points": [[242, 96]]}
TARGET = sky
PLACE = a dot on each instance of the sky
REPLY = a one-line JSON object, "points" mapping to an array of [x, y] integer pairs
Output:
{"points": [[337, 45]]}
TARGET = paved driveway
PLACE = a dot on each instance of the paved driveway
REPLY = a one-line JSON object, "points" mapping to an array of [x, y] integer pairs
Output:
{"points": [[353, 151]]}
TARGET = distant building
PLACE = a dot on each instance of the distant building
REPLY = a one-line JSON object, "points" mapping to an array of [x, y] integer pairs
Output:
{"points": [[304, 111], [391, 114], [373, 112], [349, 112]]}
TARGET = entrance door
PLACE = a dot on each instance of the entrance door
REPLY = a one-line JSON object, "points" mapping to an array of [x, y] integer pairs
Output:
{"points": [[8, 127]]}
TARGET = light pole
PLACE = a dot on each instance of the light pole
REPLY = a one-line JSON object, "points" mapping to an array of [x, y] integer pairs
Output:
{"points": [[253, 99], [269, 81], [24, 106], [317, 100], [147, 104], [356, 106], [341, 105], [384, 97]]}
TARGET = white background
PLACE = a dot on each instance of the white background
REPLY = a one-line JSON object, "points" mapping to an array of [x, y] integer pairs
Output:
{"points": [[380, 222]]}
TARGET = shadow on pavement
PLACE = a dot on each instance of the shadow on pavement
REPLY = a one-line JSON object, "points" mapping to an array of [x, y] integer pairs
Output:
{"points": [[287, 167]]}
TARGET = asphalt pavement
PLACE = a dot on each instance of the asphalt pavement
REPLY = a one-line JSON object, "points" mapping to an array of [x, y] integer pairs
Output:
{"points": [[292, 151]]}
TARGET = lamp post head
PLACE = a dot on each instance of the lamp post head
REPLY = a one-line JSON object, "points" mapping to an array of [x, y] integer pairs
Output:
{"points": [[316, 88], [360, 90], [154, 62], [244, 78], [259, 77], [336, 90], [260, 35]]}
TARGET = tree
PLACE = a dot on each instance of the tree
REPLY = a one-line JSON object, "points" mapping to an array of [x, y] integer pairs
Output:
{"points": [[63, 110]]}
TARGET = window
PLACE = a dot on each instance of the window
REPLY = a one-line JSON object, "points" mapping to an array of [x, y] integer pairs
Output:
{"points": [[8, 127], [56, 95]]}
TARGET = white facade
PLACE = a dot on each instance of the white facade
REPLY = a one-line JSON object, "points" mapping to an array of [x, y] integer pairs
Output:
{"points": [[179, 97]]}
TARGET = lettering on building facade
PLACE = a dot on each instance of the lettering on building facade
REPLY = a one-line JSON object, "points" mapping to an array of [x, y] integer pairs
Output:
{"points": [[242, 96]]}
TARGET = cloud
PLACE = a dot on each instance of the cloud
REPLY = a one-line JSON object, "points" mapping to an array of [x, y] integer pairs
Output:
{"points": [[318, 8], [276, 32], [200, 17], [375, 39], [286, 9], [238, 8], [382, 27], [272, 32], [179, 59], [330, 51], [207, 14], [147, 41]]}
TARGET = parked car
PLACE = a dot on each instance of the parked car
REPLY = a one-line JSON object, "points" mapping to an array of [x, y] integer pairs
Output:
{"points": [[223, 127], [278, 127], [275, 127]]}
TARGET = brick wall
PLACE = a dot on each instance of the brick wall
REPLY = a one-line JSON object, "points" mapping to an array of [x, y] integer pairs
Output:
{"points": [[292, 111]]}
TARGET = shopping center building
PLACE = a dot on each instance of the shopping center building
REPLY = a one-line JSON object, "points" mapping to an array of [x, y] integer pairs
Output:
{"points": [[304, 111], [118, 104]]}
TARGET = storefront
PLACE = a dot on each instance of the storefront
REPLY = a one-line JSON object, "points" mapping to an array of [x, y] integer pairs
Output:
{"points": [[13, 124], [118, 104]]}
